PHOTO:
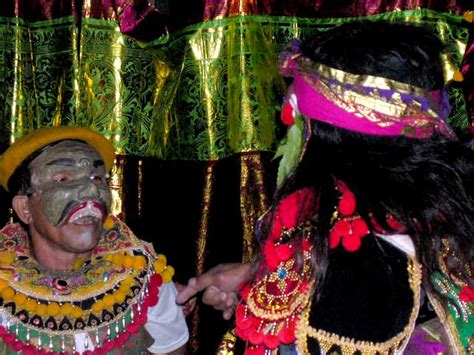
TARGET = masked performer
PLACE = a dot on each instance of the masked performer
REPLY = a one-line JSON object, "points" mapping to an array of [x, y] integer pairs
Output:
{"points": [[378, 205], [74, 278]]}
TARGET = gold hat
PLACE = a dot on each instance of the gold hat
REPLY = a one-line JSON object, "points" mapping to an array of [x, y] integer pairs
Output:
{"points": [[34, 141]]}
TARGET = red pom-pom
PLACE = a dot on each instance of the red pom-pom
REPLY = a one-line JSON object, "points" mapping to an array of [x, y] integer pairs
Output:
{"points": [[153, 290], [29, 350], [347, 204], [3, 331], [141, 318], [17, 345], [152, 300], [108, 345], [155, 281], [276, 228], [271, 256], [122, 339], [359, 227], [284, 252], [287, 334], [287, 210], [113, 343], [295, 207], [242, 321], [351, 243], [133, 327], [467, 294], [9, 338], [256, 337], [126, 335], [245, 291], [242, 334], [271, 341], [287, 114], [255, 350]]}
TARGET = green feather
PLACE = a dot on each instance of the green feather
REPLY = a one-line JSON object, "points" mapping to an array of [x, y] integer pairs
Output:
{"points": [[289, 150]]}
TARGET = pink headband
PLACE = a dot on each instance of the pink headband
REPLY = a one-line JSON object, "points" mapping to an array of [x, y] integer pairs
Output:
{"points": [[363, 103]]}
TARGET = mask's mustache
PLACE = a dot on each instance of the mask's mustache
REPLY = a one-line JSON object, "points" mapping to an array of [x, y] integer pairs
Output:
{"points": [[72, 205]]}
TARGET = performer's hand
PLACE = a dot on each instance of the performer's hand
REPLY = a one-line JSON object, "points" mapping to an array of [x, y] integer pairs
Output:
{"points": [[220, 285], [190, 304]]}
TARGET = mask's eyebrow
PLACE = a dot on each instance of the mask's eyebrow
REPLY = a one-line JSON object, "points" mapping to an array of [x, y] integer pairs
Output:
{"points": [[71, 162], [62, 161]]}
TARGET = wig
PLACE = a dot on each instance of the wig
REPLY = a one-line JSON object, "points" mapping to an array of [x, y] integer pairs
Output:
{"points": [[426, 184]]}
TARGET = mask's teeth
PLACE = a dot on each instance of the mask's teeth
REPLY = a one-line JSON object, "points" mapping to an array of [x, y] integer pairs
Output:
{"points": [[89, 210]]}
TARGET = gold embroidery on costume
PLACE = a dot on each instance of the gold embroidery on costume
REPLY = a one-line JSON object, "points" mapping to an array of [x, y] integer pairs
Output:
{"points": [[373, 106]]}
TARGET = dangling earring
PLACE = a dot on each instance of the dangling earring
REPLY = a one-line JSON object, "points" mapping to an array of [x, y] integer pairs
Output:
{"points": [[348, 227]]}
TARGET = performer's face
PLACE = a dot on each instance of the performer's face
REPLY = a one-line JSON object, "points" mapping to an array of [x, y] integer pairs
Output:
{"points": [[70, 196]]}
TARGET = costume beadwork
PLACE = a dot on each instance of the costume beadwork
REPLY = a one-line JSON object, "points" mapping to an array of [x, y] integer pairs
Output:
{"points": [[106, 297], [275, 308]]}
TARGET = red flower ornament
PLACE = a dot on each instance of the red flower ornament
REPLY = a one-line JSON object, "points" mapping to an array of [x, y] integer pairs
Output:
{"points": [[347, 204], [288, 114], [271, 341], [350, 228], [292, 210]]}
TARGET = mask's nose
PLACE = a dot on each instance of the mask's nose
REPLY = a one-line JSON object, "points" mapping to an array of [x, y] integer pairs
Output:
{"points": [[88, 191]]}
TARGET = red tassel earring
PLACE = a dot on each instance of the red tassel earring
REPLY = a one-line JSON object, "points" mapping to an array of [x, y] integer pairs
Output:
{"points": [[349, 228]]}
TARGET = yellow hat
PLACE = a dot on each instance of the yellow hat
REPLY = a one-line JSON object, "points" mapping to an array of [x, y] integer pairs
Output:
{"points": [[34, 141]]}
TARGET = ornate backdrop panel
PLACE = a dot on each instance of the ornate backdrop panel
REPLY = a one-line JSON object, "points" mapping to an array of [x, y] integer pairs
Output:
{"points": [[189, 94]]}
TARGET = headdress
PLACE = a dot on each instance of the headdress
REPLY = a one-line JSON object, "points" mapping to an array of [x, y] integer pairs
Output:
{"points": [[40, 138], [363, 103]]}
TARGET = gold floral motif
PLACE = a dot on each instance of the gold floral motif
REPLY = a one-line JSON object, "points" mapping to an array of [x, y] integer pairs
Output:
{"points": [[270, 306]]}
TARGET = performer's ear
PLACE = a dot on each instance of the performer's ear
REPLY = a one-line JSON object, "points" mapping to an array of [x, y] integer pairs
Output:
{"points": [[22, 209]]}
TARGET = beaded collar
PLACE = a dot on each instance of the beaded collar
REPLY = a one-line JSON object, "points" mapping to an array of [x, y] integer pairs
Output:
{"points": [[106, 296]]}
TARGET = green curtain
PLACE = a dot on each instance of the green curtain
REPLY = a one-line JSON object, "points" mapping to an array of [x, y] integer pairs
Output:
{"points": [[190, 100]]}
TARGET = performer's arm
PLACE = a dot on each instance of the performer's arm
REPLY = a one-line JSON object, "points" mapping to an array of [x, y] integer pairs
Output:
{"points": [[220, 285]]}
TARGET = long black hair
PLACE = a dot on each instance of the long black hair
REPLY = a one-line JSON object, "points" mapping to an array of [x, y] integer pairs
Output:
{"points": [[426, 184]]}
